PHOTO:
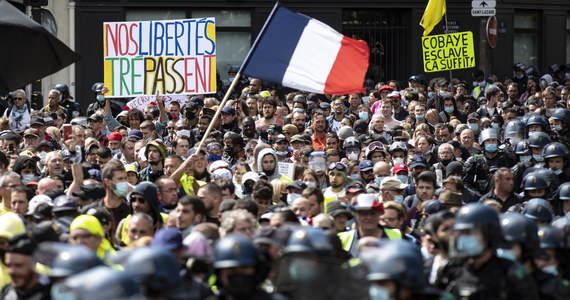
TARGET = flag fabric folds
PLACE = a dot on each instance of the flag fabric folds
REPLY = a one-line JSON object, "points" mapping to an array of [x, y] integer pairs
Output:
{"points": [[303, 53], [435, 10]]}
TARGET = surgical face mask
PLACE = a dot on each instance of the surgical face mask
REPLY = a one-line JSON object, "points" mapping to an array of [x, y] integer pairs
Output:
{"points": [[507, 254], [354, 177], [495, 125], [363, 115], [449, 109], [524, 158], [398, 160], [557, 172], [121, 188], [558, 128], [399, 198], [430, 94], [420, 117], [482, 106], [352, 156], [469, 245], [27, 177], [378, 180], [538, 157], [403, 179], [310, 183], [281, 153], [292, 197], [297, 109], [231, 79], [301, 270], [491, 148], [100, 98], [377, 292], [552, 269], [42, 156], [474, 126], [250, 160]]}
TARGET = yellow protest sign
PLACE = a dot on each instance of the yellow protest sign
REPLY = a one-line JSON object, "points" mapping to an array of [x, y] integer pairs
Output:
{"points": [[448, 51]]}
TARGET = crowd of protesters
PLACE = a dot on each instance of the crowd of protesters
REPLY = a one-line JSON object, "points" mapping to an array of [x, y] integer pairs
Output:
{"points": [[431, 190]]}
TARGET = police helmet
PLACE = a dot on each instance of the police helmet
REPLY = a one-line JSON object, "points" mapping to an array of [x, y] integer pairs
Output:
{"points": [[477, 215], [564, 191], [550, 237], [519, 67], [538, 209], [531, 71], [533, 181], [74, 259], [555, 149], [489, 133], [522, 148], [538, 120], [551, 178], [563, 224], [155, 268], [561, 114], [520, 229], [308, 240], [235, 251], [97, 87], [399, 261], [351, 142], [514, 128], [63, 89], [99, 283], [538, 139], [527, 116]]}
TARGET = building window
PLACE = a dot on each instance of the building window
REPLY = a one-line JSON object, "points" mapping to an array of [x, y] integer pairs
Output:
{"points": [[154, 14], [233, 37], [568, 39], [526, 37]]}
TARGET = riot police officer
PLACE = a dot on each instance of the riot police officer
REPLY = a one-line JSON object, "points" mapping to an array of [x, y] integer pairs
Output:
{"points": [[561, 121], [97, 88], [72, 108], [475, 271], [477, 168], [536, 142], [556, 159]]}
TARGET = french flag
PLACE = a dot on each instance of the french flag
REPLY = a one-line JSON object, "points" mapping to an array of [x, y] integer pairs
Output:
{"points": [[303, 53]]}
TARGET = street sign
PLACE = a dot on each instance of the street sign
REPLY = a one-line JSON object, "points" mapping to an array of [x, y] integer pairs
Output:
{"points": [[486, 12], [492, 30], [483, 4]]}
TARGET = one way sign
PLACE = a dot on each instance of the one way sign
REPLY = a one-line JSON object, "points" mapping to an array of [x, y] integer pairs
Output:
{"points": [[483, 4]]}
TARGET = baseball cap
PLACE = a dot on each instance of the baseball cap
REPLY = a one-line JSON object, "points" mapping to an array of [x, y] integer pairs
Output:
{"points": [[274, 128], [473, 116], [355, 187], [325, 105], [297, 184], [335, 208], [280, 138], [37, 120], [298, 138], [90, 191], [40, 211], [392, 183], [394, 94], [365, 165], [95, 118], [32, 132], [115, 136], [229, 110], [167, 238], [291, 129], [250, 176], [136, 133], [385, 87], [64, 203], [433, 206], [198, 100], [418, 161], [400, 167]]}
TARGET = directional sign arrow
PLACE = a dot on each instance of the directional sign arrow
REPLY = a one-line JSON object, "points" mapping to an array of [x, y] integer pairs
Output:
{"points": [[483, 4]]}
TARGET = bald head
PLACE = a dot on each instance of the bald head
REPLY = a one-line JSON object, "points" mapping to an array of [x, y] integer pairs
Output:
{"points": [[382, 169], [301, 207], [323, 221], [46, 184]]}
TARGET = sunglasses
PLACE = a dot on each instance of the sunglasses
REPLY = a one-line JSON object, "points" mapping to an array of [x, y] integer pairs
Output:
{"points": [[18, 98], [169, 128], [271, 131], [138, 199], [337, 166]]}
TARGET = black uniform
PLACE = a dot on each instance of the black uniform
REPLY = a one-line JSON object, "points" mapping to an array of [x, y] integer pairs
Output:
{"points": [[72, 109], [496, 279], [477, 169], [551, 287]]}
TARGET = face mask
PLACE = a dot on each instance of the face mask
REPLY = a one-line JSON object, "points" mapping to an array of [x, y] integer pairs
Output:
{"points": [[507, 254], [231, 79], [190, 115], [241, 286], [113, 152], [100, 98], [525, 158], [431, 94], [281, 153], [445, 162], [481, 83], [354, 177], [377, 292], [482, 106], [28, 177], [425, 253], [42, 156], [378, 180], [403, 179], [213, 157], [363, 115], [352, 156], [495, 125], [427, 152], [292, 197], [491, 148], [550, 270], [420, 117], [310, 183], [474, 127], [121, 188], [250, 160], [538, 157], [469, 245], [399, 198], [297, 109], [519, 76], [456, 177], [398, 160], [449, 109], [301, 271], [558, 128], [557, 172]]}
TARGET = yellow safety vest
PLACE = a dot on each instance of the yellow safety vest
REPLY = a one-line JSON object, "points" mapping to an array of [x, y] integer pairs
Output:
{"points": [[187, 181], [347, 237]]}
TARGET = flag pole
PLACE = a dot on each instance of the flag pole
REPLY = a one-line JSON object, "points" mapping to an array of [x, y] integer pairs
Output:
{"points": [[450, 72]]}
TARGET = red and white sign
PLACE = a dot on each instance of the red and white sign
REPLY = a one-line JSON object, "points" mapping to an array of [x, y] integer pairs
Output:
{"points": [[492, 29], [141, 101]]}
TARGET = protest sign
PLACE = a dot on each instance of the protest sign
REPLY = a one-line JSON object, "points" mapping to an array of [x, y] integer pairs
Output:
{"points": [[142, 101], [448, 51], [286, 169], [171, 57]]}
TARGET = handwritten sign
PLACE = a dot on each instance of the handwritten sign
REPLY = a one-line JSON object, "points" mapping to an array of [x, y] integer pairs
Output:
{"points": [[142, 101], [448, 51], [172, 57], [286, 169]]}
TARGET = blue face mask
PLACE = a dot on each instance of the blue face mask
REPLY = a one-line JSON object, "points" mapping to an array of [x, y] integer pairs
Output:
{"points": [[491, 148], [469, 245], [100, 98], [292, 197], [297, 109], [557, 172], [354, 177], [310, 183], [507, 254], [449, 109], [212, 158], [378, 180], [399, 198], [552, 269], [524, 158], [495, 125], [403, 179], [558, 128], [113, 152], [376, 292], [420, 117], [474, 127], [363, 115], [538, 157]]}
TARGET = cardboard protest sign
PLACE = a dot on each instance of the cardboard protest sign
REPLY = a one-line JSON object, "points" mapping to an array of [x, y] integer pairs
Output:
{"points": [[142, 101], [448, 51], [171, 57], [286, 169]]}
